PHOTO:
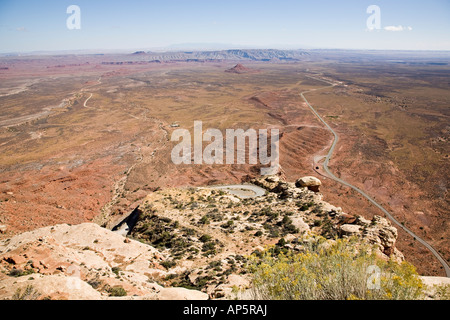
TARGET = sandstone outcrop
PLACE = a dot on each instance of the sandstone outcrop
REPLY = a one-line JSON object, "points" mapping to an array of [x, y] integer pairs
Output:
{"points": [[378, 231], [83, 262], [183, 239]]}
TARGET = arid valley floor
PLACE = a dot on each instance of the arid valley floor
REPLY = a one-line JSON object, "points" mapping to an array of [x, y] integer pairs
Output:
{"points": [[85, 138]]}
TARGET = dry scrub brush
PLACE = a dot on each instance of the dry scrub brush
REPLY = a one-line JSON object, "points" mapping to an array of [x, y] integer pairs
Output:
{"points": [[342, 270]]}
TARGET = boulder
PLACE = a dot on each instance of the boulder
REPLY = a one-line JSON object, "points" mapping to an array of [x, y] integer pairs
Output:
{"points": [[291, 237], [350, 229], [331, 210], [312, 183], [301, 225], [181, 294]]}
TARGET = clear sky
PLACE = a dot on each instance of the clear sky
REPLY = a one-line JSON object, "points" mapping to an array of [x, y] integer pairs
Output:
{"points": [[27, 25]]}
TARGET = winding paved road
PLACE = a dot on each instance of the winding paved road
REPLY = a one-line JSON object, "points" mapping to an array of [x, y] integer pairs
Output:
{"points": [[87, 101], [332, 176]]}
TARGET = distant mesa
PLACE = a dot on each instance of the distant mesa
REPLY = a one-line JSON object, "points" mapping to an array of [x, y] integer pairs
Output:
{"points": [[237, 55], [239, 68]]}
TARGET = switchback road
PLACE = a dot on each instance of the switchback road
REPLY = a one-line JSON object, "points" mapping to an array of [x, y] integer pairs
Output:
{"points": [[345, 183]]}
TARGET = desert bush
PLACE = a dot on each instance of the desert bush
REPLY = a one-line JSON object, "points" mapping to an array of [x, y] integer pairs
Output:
{"points": [[208, 246], [27, 293], [19, 272], [95, 283], [328, 230], [305, 206], [205, 238], [168, 264], [227, 224], [287, 226], [204, 220], [337, 272], [117, 292], [442, 292]]}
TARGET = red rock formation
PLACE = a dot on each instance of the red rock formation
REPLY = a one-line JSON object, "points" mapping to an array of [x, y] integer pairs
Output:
{"points": [[239, 68]]}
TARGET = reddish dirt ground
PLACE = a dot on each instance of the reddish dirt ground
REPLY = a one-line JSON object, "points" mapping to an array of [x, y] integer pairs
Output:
{"points": [[121, 167]]}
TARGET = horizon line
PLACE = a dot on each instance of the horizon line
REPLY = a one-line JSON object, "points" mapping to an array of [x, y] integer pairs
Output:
{"points": [[168, 49]]}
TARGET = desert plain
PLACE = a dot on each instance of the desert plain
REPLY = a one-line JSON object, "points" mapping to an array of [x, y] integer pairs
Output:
{"points": [[85, 138]]}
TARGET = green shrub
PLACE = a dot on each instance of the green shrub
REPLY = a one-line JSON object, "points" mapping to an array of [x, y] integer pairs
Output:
{"points": [[19, 272], [442, 292], [168, 264], [317, 223], [204, 220], [274, 232], [205, 238], [27, 293], [208, 246], [95, 283], [286, 220], [117, 292], [338, 272], [305, 206], [227, 224], [215, 264], [115, 270]]}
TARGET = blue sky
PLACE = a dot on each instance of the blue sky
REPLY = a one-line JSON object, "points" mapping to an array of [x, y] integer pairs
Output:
{"points": [[139, 24]]}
